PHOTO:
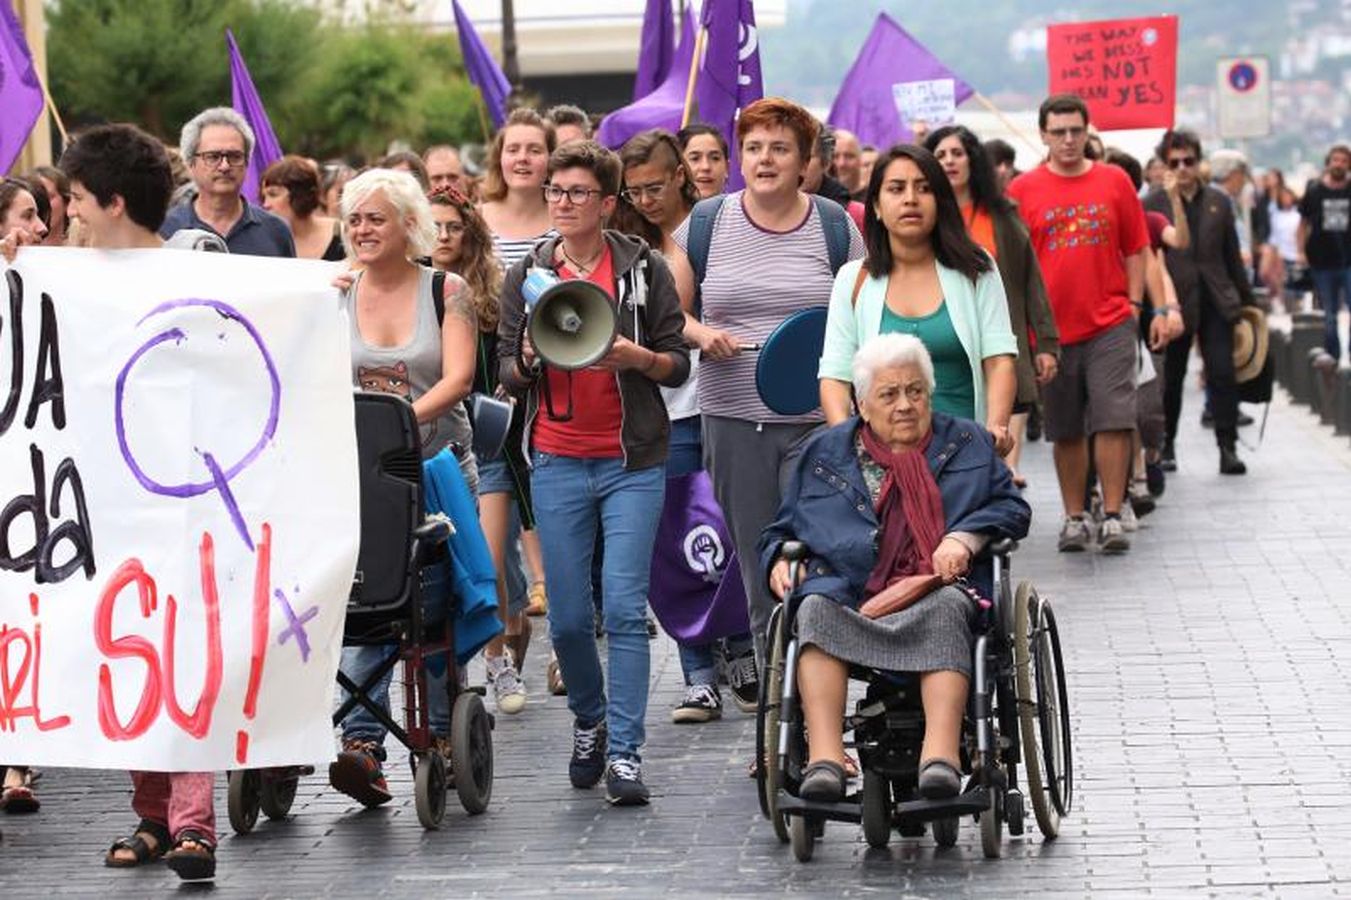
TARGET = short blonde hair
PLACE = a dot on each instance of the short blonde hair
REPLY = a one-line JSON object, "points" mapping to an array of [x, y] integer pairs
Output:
{"points": [[405, 194], [890, 351]]}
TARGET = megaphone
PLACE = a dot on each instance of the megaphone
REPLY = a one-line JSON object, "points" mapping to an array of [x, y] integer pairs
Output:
{"points": [[571, 324]]}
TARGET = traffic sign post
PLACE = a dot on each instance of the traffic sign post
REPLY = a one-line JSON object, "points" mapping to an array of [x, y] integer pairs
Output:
{"points": [[1243, 86]]}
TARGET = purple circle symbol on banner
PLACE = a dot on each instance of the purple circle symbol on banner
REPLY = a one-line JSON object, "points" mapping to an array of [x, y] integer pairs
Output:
{"points": [[1243, 76], [220, 478]]}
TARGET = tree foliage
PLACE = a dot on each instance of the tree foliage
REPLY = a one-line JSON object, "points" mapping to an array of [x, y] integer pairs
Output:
{"points": [[330, 88]]}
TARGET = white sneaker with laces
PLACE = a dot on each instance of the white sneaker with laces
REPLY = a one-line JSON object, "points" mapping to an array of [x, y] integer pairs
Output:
{"points": [[508, 691]]}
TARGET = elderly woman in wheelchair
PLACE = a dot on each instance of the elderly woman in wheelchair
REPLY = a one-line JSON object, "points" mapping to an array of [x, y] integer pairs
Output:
{"points": [[893, 507]]}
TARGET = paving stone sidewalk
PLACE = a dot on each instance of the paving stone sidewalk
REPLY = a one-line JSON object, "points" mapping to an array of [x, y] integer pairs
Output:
{"points": [[1208, 672]]}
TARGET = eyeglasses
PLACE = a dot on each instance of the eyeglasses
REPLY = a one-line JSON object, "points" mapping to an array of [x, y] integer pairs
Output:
{"points": [[450, 229], [644, 192], [1059, 134], [213, 158], [577, 195], [1182, 162]]}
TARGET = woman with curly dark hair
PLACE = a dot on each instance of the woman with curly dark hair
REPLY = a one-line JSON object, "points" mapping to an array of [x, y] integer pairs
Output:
{"points": [[464, 246]]}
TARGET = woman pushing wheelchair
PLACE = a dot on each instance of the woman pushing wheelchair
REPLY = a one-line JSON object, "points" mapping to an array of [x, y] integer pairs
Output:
{"points": [[894, 506]]}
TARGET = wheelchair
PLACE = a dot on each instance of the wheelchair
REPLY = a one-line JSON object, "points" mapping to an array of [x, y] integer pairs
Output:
{"points": [[1017, 714], [400, 546]]}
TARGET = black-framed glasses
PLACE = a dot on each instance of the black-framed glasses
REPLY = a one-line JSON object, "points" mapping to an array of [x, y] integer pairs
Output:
{"points": [[1181, 162], [644, 191], [1060, 134], [213, 158], [577, 194]]}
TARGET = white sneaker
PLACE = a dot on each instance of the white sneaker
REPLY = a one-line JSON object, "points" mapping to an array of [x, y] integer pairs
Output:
{"points": [[1112, 537], [508, 691], [1129, 522]]}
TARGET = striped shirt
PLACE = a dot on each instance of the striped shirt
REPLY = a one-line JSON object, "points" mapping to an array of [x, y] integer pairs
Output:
{"points": [[511, 250], [756, 279]]}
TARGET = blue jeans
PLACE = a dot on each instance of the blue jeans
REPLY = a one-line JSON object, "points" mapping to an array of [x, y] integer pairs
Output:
{"points": [[571, 498], [358, 663], [1333, 288]]}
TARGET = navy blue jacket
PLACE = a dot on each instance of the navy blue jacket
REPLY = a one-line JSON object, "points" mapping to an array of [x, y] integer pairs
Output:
{"points": [[827, 506]]}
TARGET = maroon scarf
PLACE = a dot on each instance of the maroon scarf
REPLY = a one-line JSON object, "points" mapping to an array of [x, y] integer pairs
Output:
{"points": [[909, 509]]}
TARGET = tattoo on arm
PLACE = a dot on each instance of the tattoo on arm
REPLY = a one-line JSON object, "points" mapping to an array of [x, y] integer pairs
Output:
{"points": [[458, 302]]}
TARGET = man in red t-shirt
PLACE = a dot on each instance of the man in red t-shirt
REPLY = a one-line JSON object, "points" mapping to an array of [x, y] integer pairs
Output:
{"points": [[1088, 230]]}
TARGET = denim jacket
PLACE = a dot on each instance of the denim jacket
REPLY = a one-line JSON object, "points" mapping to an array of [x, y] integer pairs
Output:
{"points": [[826, 504]]}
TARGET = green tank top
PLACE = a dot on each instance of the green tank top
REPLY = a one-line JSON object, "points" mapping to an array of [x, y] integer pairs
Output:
{"points": [[954, 391]]}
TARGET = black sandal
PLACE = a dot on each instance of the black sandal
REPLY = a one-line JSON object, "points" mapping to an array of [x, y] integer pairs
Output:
{"points": [[142, 851], [939, 780], [197, 863], [823, 782]]}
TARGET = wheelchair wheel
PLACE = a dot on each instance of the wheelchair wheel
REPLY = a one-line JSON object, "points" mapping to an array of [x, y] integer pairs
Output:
{"points": [[803, 837], [992, 828], [945, 831], [244, 799], [768, 778], [277, 795], [471, 750], [1043, 710], [429, 788], [876, 810]]}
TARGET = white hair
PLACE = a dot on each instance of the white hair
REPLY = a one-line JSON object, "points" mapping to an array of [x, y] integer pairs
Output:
{"points": [[405, 194], [191, 135], [1224, 163], [890, 351]]}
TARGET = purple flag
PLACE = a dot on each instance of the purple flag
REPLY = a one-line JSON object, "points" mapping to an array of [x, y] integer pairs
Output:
{"points": [[729, 79], [660, 109], [656, 48], [20, 93], [696, 590], [245, 100], [866, 103], [482, 69]]}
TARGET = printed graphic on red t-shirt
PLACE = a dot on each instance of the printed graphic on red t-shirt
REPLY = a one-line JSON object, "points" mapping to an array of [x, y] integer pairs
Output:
{"points": [[1082, 229]]}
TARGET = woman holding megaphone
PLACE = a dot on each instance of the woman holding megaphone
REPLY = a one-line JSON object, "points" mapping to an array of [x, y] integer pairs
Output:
{"points": [[598, 438]]}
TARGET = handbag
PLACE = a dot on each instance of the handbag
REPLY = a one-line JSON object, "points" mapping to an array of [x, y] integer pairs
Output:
{"points": [[899, 594]]}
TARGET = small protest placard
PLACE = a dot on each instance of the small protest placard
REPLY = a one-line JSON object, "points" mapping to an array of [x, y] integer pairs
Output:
{"points": [[932, 102], [1124, 69]]}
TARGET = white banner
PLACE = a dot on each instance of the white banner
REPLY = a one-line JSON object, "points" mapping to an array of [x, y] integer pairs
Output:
{"points": [[1243, 86], [181, 514]]}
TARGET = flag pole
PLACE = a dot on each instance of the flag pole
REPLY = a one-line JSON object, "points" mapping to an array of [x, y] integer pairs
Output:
{"points": [[694, 76], [1007, 122], [482, 106]]}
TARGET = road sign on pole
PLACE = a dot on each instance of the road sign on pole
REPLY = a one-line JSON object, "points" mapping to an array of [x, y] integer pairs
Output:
{"points": [[1243, 85]]}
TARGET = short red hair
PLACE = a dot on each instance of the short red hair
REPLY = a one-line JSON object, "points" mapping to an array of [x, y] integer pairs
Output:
{"points": [[776, 112]]}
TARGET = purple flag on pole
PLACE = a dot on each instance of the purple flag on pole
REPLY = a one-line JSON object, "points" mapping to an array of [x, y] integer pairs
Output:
{"points": [[660, 109], [482, 69], [656, 48], [729, 79], [20, 94], [867, 101], [245, 100], [696, 590]]}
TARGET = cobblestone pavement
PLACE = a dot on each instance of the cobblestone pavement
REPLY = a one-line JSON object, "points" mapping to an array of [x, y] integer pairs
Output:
{"points": [[1213, 745]]}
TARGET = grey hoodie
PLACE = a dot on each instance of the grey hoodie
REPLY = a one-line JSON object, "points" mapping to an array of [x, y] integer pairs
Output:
{"points": [[649, 315]]}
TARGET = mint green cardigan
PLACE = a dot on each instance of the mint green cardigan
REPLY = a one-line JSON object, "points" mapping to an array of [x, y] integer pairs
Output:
{"points": [[980, 316]]}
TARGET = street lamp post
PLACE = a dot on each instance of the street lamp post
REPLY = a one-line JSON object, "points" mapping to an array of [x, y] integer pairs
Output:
{"points": [[511, 66]]}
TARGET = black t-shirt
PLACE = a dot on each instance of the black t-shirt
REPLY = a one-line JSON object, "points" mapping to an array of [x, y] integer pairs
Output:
{"points": [[1328, 212]]}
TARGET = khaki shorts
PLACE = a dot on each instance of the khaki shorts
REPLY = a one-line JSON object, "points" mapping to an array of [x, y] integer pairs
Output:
{"points": [[1095, 388]]}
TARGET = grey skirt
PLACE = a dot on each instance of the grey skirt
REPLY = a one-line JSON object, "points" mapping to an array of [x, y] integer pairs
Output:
{"points": [[930, 635]]}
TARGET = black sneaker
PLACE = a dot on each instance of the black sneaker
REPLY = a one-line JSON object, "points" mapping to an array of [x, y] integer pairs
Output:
{"points": [[1230, 464], [624, 783], [1207, 419], [589, 746], [744, 681], [1168, 459], [1245, 419], [1155, 480], [702, 703]]}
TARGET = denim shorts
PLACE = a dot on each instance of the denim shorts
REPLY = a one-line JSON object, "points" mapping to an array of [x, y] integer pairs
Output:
{"points": [[501, 476]]}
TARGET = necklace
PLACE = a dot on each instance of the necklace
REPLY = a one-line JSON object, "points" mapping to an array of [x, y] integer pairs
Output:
{"points": [[581, 268]]}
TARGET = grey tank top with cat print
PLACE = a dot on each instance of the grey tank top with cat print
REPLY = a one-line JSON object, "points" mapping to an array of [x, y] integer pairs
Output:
{"points": [[410, 371]]}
